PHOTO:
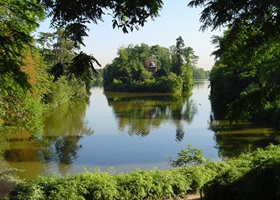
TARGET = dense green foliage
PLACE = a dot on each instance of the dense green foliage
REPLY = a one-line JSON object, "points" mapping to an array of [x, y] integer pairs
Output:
{"points": [[146, 68], [22, 107], [244, 80], [244, 83], [33, 80], [189, 156], [152, 184], [253, 176], [250, 176], [247, 87], [18, 19]]}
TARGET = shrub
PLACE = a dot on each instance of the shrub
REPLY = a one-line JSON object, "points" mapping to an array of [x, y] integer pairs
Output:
{"points": [[63, 90], [98, 185], [78, 88], [170, 83], [59, 93], [19, 109], [252, 176], [189, 156], [134, 186], [153, 184]]}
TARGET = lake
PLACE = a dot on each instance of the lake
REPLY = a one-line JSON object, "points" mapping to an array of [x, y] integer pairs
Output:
{"points": [[122, 132]]}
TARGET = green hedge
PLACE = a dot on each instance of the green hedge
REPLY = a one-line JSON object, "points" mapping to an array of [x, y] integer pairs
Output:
{"points": [[153, 184]]}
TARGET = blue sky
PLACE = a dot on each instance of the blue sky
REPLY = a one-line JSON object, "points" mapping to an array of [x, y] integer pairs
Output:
{"points": [[176, 19]]}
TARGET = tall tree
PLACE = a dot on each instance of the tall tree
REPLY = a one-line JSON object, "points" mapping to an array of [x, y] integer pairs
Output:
{"points": [[246, 55], [18, 18], [246, 87], [58, 51], [183, 59], [177, 60], [56, 47]]}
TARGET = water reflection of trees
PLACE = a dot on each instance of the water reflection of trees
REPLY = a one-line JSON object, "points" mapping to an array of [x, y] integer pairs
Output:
{"points": [[140, 113], [242, 137], [64, 127], [63, 130]]}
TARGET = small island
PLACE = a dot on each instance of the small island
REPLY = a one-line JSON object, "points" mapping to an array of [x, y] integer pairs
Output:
{"points": [[144, 68]]}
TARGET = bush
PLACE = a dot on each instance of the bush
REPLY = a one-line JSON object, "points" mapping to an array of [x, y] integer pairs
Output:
{"points": [[58, 94], [254, 176], [220, 188], [78, 89], [19, 109], [64, 90], [189, 156], [170, 83], [98, 185], [153, 184]]}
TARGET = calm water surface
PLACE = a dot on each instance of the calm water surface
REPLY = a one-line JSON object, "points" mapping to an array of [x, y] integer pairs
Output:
{"points": [[127, 131]]}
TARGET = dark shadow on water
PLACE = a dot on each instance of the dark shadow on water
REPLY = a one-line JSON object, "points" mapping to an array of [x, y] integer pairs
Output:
{"points": [[242, 137]]}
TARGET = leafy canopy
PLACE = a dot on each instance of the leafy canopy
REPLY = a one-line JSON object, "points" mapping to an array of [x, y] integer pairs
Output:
{"points": [[247, 55], [75, 15], [260, 15], [18, 18]]}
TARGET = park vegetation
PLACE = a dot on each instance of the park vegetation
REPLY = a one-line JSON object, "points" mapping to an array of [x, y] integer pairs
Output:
{"points": [[37, 74], [244, 79], [40, 72], [246, 86], [143, 68]]}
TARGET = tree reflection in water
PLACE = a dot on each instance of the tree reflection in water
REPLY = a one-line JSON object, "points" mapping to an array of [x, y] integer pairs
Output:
{"points": [[139, 113], [241, 137], [63, 130], [64, 127]]}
